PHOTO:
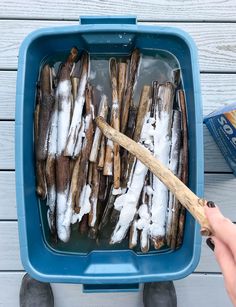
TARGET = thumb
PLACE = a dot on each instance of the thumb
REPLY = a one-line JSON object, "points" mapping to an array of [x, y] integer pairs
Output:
{"points": [[222, 227]]}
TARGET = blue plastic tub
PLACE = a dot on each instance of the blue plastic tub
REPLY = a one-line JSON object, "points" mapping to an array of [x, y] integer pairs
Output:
{"points": [[102, 269]]}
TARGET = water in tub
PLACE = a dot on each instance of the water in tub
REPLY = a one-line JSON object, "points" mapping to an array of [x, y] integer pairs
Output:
{"points": [[156, 65]]}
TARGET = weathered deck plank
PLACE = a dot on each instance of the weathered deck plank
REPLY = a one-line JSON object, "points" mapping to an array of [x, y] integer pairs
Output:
{"points": [[10, 254], [217, 90], [217, 53], [215, 41], [214, 161], [145, 10], [218, 187], [195, 290]]}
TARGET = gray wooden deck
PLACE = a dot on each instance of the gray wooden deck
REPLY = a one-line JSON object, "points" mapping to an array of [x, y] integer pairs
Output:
{"points": [[212, 24]]}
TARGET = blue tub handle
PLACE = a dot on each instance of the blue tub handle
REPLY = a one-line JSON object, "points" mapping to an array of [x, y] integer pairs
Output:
{"points": [[104, 288], [129, 19]]}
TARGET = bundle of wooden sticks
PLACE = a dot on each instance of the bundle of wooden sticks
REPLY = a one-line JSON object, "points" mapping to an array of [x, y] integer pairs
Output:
{"points": [[85, 178]]}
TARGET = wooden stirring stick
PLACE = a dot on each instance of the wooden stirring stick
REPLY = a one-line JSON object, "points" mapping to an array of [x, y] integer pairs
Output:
{"points": [[187, 198]]}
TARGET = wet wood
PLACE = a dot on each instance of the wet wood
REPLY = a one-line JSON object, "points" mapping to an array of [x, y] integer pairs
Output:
{"points": [[176, 77], [41, 179], [162, 108], [108, 162], [41, 187], [104, 187], [75, 125], [184, 174], [143, 108], [187, 198], [101, 155], [133, 68], [87, 145], [133, 234], [103, 111], [115, 111], [70, 204], [122, 75], [51, 170], [83, 225], [46, 102], [174, 167], [94, 195], [107, 211]]}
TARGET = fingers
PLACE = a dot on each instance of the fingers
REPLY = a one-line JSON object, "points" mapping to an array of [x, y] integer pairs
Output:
{"points": [[223, 228], [225, 247], [228, 266]]}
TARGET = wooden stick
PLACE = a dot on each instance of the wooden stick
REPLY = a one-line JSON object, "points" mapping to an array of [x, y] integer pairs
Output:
{"points": [[90, 173], [115, 121], [181, 98], [63, 94], [173, 166], [40, 179], [108, 162], [79, 141], [75, 77], [187, 198], [144, 235], [104, 188], [51, 169], [133, 234], [176, 212], [184, 174], [72, 194], [178, 219], [83, 225], [107, 211], [124, 169], [78, 108], [46, 105], [127, 203], [87, 144], [165, 97], [122, 69], [75, 83], [134, 231], [145, 216], [94, 231], [103, 112], [176, 77], [144, 106], [62, 184], [101, 156], [162, 111], [72, 165], [94, 196], [125, 161], [131, 120], [51, 195], [41, 187], [134, 64]]}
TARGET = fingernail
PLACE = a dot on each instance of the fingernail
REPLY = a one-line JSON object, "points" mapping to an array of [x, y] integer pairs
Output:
{"points": [[210, 243], [210, 204]]}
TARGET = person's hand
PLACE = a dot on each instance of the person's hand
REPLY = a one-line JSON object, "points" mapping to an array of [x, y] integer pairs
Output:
{"points": [[224, 245]]}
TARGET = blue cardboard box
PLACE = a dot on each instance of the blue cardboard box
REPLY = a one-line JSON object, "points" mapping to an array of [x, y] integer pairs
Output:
{"points": [[222, 126]]}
